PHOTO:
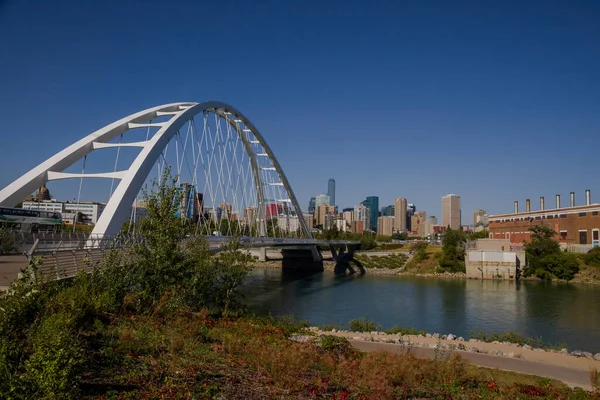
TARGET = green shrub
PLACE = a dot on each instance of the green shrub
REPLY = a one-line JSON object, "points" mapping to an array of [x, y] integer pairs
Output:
{"points": [[593, 257], [57, 358], [562, 265], [404, 331], [363, 325]]}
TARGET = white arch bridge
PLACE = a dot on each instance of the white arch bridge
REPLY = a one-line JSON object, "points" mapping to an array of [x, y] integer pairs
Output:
{"points": [[231, 183]]}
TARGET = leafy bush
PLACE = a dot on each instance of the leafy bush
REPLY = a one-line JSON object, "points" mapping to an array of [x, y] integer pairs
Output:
{"points": [[561, 265], [508, 336], [593, 257], [363, 325], [404, 331], [8, 241], [57, 358]]}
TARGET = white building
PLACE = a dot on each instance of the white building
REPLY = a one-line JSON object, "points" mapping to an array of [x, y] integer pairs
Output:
{"points": [[342, 225], [69, 210], [361, 213], [288, 223], [348, 217], [91, 210]]}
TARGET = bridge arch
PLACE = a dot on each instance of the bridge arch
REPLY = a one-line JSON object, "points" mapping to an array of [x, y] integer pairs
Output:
{"points": [[132, 179]]}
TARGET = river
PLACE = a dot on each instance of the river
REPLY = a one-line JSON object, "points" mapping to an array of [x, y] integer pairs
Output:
{"points": [[558, 313]]}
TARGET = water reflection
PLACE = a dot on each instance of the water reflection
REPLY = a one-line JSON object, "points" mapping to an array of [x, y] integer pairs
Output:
{"points": [[556, 312]]}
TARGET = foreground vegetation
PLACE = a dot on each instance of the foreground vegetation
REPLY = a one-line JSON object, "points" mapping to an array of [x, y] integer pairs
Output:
{"points": [[165, 320]]}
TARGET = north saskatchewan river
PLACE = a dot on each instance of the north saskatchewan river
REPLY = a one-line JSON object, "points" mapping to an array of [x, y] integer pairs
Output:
{"points": [[568, 313]]}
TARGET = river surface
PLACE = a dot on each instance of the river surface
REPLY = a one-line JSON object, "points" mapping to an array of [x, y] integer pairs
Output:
{"points": [[558, 313]]}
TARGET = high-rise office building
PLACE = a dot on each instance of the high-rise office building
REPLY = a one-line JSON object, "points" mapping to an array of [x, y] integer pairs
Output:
{"points": [[322, 199], [312, 204], [417, 219], [372, 203], [451, 211], [387, 211], [385, 226], [410, 210], [400, 214], [361, 213], [331, 191], [321, 212]]}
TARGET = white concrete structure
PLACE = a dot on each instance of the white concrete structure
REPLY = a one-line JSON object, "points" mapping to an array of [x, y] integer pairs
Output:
{"points": [[173, 117]]}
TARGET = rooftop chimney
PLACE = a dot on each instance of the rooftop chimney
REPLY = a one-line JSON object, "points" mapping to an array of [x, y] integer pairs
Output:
{"points": [[516, 207], [527, 205], [588, 197], [572, 202], [542, 205], [558, 201]]}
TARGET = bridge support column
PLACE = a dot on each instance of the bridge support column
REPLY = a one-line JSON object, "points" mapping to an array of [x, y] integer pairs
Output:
{"points": [[343, 258], [305, 259], [262, 254]]}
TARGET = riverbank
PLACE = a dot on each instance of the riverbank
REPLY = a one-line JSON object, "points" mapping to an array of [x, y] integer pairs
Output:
{"points": [[588, 275], [572, 368]]}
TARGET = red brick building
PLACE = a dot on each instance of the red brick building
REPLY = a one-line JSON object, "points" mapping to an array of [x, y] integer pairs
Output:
{"points": [[576, 225]]}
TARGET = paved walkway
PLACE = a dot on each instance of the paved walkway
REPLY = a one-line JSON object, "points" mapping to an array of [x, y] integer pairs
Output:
{"points": [[10, 266], [571, 376]]}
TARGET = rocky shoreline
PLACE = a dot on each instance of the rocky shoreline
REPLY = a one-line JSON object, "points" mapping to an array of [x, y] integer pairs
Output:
{"points": [[452, 342], [330, 265]]}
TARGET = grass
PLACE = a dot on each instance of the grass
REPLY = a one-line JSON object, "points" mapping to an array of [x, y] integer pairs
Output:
{"points": [[192, 355], [404, 331], [392, 261], [513, 337]]}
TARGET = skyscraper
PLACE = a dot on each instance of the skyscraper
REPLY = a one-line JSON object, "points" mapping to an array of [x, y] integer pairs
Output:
{"points": [[400, 214], [372, 203], [387, 211], [312, 204], [410, 210], [451, 211], [331, 191], [322, 199]]}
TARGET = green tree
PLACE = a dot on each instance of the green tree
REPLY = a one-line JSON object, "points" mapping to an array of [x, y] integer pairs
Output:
{"points": [[367, 241], [561, 265], [419, 250], [484, 234], [539, 247], [400, 236], [453, 250]]}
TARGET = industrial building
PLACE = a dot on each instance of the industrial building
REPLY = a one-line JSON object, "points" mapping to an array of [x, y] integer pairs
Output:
{"points": [[575, 226]]}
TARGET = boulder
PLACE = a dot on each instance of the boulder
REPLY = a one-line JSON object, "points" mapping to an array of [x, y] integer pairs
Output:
{"points": [[577, 353]]}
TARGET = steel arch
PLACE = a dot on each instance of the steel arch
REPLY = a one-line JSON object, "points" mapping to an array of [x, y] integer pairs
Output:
{"points": [[117, 208]]}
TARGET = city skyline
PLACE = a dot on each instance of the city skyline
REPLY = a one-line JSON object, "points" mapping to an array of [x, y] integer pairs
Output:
{"points": [[513, 92]]}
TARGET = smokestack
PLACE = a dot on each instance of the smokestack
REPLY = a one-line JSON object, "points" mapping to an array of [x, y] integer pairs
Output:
{"points": [[558, 201], [516, 207], [588, 197], [542, 205], [572, 202], [527, 205]]}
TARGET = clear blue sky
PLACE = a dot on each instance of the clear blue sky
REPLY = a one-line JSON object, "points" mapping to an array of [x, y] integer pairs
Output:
{"points": [[493, 100]]}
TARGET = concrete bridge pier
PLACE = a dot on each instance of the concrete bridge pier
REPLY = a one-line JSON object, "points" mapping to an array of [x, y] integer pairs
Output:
{"points": [[302, 258], [343, 257]]}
